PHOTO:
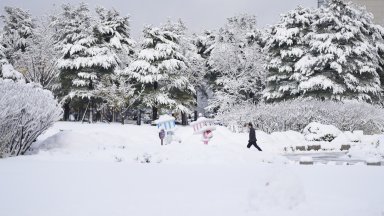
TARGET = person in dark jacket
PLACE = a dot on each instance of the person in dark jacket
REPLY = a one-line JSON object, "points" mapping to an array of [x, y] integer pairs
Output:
{"points": [[252, 137]]}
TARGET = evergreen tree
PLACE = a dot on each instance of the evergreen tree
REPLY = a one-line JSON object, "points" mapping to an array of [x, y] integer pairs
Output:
{"points": [[91, 49], [85, 60], [343, 62], [113, 30], [237, 60], [285, 45], [161, 70], [17, 30], [195, 70]]}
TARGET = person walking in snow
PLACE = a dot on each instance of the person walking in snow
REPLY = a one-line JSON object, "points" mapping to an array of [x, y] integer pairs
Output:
{"points": [[252, 137]]}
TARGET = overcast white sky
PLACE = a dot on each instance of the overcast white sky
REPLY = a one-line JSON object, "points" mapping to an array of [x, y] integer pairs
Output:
{"points": [[197, 14]]}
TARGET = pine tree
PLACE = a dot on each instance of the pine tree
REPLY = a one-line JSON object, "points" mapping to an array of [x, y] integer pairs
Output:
{"points": [[285, 45], [343, 62], [17, 30], [237, 60], [85, 60], [113, 30], [91, 49], [195, 70], [161, 70]]}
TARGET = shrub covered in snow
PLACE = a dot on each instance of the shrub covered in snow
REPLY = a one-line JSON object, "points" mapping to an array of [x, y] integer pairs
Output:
{"points": [[296, 114], [8, 72], [319, 132], [26, 111]]}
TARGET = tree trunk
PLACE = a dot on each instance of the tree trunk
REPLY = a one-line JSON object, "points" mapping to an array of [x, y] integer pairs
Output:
{"points": [[90, 112], [154, 113], [138, 117], [66, 111], [195, 116], [113, 114], [122, 116], [184, 119], [154, 108], [78, 115]]}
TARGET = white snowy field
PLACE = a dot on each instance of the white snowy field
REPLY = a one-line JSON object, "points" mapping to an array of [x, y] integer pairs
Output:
{"points": [[100, 169]]}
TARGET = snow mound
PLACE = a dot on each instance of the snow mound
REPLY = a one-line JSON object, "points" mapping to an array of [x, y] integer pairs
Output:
{"points": [[319, 132]]}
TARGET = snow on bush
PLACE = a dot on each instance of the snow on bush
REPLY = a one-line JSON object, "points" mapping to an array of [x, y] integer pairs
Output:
{"points": [[8, 72], [319, 132], [26, 111], [296, 114]]}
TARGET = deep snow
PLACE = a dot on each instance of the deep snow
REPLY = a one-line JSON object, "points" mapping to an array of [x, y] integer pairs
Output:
{"points": [[96, 170]]}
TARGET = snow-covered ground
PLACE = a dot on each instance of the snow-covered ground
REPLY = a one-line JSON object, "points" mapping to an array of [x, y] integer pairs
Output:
{"points": [[111, 169], [132, 144]]}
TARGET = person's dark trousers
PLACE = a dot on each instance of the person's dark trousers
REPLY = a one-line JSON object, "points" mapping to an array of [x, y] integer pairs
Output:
{"points": [[253, 144]]}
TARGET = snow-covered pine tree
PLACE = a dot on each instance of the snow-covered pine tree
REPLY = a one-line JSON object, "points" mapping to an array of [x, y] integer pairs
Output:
{"points": [[160, 70], [285, 45], [85, 60], [343, 61], [90, 48], [75, 41], [238, 61], [113, 30], [18, 27], [195, 70]]}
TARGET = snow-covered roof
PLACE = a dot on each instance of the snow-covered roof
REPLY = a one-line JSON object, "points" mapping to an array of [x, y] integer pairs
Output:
{"points": [[200, 120], [164, 118]]}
